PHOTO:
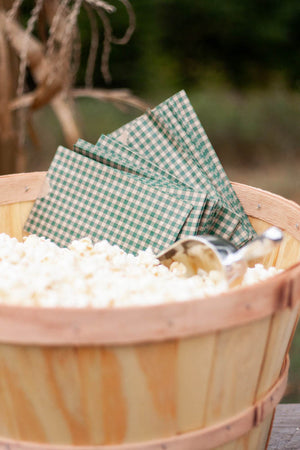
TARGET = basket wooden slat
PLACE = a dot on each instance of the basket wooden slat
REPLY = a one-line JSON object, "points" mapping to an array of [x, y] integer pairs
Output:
{"points": [[206, 438], [171, 376]]}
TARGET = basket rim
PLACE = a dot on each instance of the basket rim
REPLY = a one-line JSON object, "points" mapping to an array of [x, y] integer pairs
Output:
{"points": [[154, 323], [257, 202], [138, 324]]}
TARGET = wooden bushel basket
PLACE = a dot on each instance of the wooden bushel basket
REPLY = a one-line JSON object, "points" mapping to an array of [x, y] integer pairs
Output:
{"points": [[193, 375]]}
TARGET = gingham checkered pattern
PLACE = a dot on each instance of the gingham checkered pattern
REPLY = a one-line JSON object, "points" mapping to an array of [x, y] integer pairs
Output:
{"points": [[88, 198], [157, 143], [207, 159], [156, 147], [151, 168], [166, 183], [111, 152], [225, 221], [147, 167], [172, 135]]}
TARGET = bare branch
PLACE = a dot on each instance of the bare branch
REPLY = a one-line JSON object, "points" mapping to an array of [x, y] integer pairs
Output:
{"points": [[14, 9], [24, 50], [131, 26], [122, 96], [35, 54], [93, 47], [75, 57], [106, 46], [66, 116], [5, 115], [25, 101], [57, 12], [34, 137], [40, 66], [117, 96], [99, 4], [110, 39], [54, 63]]}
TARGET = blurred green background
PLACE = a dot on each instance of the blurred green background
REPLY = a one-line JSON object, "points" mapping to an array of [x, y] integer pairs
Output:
{"points": [[238, 62]]}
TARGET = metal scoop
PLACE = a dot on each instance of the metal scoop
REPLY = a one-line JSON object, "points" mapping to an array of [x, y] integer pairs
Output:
{"points": [[209, 252]]}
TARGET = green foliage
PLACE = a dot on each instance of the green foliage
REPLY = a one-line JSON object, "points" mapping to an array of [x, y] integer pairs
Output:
{"points": [[188, 43], [250, 128], [248, 40]]}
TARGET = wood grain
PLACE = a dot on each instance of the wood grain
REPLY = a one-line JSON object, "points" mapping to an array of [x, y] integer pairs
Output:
{"points": [[21, 187], [206, 438], [197, 374]]}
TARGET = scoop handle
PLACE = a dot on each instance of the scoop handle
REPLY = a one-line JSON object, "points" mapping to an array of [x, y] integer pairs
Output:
{"points": [[259, 246]]}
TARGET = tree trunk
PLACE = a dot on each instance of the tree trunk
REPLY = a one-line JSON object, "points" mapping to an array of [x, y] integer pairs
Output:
{"points": [[9, 146]]}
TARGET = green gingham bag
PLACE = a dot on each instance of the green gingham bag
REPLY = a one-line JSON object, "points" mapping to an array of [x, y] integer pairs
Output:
{"points": [[168, 136], [149, 183], [126, 159], [181, 109], [163, 150], [111, 152], [227, 222], [88, 198]]}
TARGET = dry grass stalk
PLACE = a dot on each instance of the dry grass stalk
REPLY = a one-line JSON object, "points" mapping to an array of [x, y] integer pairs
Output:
{"points": [[53, 62], [117, 96], [8, 137], [91, 62]]}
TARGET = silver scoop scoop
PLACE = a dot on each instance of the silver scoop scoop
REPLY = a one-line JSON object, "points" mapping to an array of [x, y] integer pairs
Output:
{"points": [[208, 252]]}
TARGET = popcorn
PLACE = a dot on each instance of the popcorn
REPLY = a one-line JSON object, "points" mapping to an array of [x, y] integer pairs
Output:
{"points": [[258, 273], [39, 273]]}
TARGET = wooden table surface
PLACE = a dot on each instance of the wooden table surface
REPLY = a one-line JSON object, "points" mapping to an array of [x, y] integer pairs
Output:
{"points": [[286, 428]]}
